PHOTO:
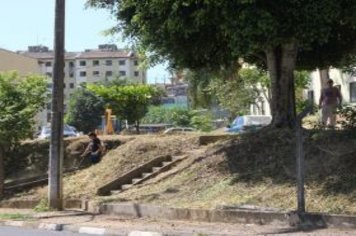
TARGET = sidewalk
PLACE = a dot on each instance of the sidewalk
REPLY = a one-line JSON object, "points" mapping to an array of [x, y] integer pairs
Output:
{"points": [[82, 222]]}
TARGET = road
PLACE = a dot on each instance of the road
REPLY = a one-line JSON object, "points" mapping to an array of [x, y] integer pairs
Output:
{"points": [[14, 231]]}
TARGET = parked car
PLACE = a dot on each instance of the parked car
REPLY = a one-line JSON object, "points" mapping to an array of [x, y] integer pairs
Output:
{"points": [[68, 131], [248, 123], [177, 130]]}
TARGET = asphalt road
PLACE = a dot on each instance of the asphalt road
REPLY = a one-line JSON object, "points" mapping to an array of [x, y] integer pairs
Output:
{"points": [[13, 231]]}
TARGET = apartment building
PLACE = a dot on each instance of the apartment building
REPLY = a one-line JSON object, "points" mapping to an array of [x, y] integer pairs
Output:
{"points": [[90, 66]]}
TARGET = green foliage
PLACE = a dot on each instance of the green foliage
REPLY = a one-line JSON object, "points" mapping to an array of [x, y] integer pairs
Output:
{"points": [[178, 116], [14, 216], [198, 90], [348, 117], [202, 122], [302, 80], [213, 33], [276, 34], [85, 110], [42, 206], [20, 100], [237, 92], [129, 102]]}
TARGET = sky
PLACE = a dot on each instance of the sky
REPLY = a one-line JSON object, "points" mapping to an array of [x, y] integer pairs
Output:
{"points": [[30, 22]]}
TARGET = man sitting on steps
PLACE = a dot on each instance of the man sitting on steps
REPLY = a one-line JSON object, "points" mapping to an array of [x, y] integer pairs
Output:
{"points": [[94, 148]]}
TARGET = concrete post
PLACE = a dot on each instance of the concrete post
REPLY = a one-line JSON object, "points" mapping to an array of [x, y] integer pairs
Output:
{"points": [[55, 188]]}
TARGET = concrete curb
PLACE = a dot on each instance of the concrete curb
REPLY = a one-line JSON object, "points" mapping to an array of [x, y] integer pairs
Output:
{"points": [[306, 220], [76, 229]]}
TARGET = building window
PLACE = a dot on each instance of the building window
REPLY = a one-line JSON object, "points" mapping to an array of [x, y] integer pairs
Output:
{"points": [[122, 62], [49, 74], [49, 85], [95, 63], [48, 117], [122, 73], [48, 64], [96, 73], [353, 92], [108, 73], [71, 74], [71, 85], [82, 73], [64, 85], [49, 105], [136, 73], [82, 63], [136, 62], [71, 64], [311, 96], [108, 62]]}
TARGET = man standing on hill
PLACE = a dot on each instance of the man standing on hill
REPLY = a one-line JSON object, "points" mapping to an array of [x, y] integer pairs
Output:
{"points": [[330, 99], [94, 148]]}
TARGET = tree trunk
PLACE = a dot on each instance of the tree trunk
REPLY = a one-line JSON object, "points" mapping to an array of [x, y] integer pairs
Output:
{"points": [[324, 76], [137, 127], [281, 64], [2, 172]]}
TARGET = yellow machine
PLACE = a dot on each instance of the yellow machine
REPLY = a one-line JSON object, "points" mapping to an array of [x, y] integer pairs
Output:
{"points": [[108, 128]]}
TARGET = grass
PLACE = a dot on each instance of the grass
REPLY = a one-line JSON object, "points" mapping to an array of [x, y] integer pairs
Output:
{"points": [[14, 216], [255, 169]]}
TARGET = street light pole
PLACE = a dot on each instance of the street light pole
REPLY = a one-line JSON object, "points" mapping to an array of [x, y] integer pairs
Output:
{"points": [[55, 188]]}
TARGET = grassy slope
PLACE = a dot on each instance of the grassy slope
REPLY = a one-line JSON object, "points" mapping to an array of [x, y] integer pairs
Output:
{"points": [[116, 162], [259, 170]]}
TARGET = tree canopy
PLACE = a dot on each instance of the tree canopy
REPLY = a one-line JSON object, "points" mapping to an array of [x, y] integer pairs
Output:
{"points": [[200, 33], [129, 102], [20, 100], [278, 35], [85, 110]]}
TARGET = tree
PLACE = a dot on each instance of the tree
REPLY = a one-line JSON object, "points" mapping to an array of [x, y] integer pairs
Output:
{"points": [[20, 100], [85, 110], [278, 35], [236, 91], [198, 93], [128, 102]]}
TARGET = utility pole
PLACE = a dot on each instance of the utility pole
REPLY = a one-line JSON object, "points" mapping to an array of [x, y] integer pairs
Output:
{"points": [[55, 189]]}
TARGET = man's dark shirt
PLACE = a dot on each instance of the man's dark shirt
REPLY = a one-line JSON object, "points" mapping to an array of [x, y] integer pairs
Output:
{"points": [[94, 144]]}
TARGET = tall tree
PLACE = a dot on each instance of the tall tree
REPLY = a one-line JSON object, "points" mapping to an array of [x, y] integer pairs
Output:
{"points": [[274, 34], [85, 110], [20, 100], [129, 102]]}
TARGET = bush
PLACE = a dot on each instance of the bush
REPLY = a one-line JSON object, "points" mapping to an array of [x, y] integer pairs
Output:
{"points": [[348, 117]]}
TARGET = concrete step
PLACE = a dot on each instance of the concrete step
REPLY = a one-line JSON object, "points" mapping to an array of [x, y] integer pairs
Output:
{"points": [[176, 158], [166, 163], [114, 192], [144, 175], [154, 169], [126, 186], [135, 180]]}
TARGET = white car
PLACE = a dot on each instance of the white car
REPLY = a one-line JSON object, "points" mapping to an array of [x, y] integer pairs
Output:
{"points": [[68, 131]]}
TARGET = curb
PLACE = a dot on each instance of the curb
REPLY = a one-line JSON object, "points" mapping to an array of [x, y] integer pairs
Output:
{"points": [[302, 220], [76, 229]]}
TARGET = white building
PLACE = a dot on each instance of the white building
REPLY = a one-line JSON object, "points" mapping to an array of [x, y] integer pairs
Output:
{"points": [[91, 66], [346, 82]]}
